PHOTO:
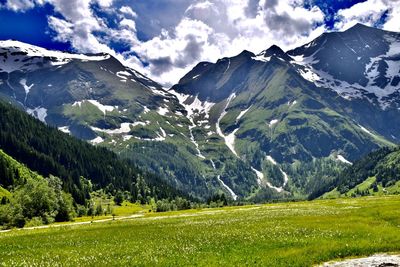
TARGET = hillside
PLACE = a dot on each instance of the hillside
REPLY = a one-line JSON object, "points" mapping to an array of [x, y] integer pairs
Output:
{"points": [[377, 173], [48, 151]]}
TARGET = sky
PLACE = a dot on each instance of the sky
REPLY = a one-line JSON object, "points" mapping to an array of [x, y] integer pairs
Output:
{"points": [[164, 39]]}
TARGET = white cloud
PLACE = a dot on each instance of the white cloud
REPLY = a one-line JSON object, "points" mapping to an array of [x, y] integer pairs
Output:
{"points": [[128, 11], [78, 18], [369, 13], [104, 3], [62, 27], [19, 5], [128, 23], [211, 30]]}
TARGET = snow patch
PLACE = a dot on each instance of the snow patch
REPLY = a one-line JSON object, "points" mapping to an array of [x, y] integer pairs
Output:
{"points": [[241, 114], [162, 111], [160, 137], [26, 87], [234, 196], [260, 176], [39, 113], [273, 122], [97, 140], [64, 129], [229, 139], [285, 176], [227, 68], [261, 58], [194, 108], [125, 127], [270, 159], [291, 104], [199, 154], [365, 130], [101, 107], [123, 74], [342, 159], [145, 110], [127, 137]]}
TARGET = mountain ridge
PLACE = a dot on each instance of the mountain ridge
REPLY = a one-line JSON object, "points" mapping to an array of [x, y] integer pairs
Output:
{"points": [[244, 125]]}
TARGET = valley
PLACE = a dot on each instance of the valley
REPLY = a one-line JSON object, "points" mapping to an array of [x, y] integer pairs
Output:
{"points": [[252, 128], [284, 234]]}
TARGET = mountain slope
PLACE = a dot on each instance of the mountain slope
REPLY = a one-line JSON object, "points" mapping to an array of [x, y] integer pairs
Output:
{"points": [[361, 62], [266, 113], [276, 124], [96, 98], [376, 173], [50, 152]]}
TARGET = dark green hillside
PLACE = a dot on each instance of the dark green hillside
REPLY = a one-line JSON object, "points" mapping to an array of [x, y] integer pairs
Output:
{"points": [[32, 197], [50, 152], [375, 173]]}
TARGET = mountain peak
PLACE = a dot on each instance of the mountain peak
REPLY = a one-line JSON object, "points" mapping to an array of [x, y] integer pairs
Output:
{"points": [[246, 53], [276, 51], [361, 27]]}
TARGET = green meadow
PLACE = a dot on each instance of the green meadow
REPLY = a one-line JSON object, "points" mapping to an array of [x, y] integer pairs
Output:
{"points": [[284, 234]]}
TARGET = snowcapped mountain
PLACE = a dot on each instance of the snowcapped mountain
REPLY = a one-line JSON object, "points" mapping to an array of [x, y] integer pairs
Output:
{"points": [[53, 85], [275, 124], [96, 98], [24, 57], [361, 62], [320, 103]]}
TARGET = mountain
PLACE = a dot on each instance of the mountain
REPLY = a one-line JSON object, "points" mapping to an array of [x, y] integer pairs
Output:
{"points": [[48, 151], [97, 99], [274, 109], [361, 62], [255, 126]]}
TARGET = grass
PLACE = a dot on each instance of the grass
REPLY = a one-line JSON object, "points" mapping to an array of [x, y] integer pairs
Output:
{"points": [[366, 186], [4, 193], [286, 234], [125, 209]]}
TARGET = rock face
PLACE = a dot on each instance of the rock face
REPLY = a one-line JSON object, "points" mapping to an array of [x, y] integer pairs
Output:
{"points": [[361, 62], [379, 260]]}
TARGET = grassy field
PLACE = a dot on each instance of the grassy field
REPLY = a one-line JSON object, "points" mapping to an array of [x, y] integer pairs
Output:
{"points": [[286, 234]]}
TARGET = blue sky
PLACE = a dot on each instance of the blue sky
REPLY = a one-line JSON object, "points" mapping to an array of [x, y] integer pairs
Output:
{"points": [[166, 38]]}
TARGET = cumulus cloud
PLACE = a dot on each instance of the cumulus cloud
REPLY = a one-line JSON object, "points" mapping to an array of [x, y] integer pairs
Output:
{"points": [[128, 11], [104, 3], [20, 5], [128, 23], [214, 29], [79, 25], [370, 13]]}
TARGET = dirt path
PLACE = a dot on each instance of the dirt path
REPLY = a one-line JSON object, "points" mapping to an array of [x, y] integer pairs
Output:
{"points": [[75, 223], [122, 218], [377, 260]]}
